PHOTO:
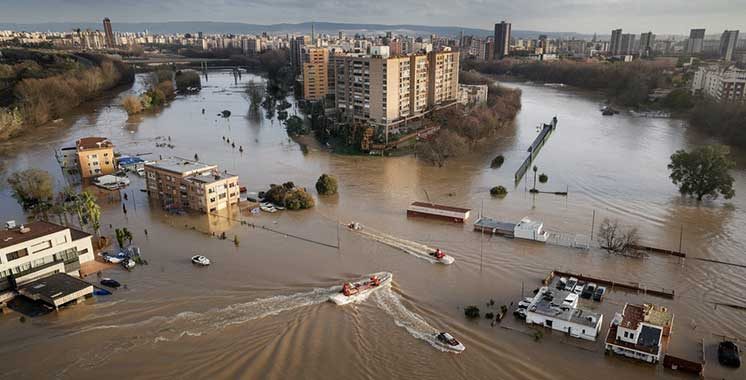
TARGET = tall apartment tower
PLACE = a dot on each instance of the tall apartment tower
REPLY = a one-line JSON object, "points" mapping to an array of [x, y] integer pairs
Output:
{"points": [[109, 34], [696, 41], [502, 40], [728, 43], [628, 44], [647, 42], [315, 74], [615, 45], [296, 52]]}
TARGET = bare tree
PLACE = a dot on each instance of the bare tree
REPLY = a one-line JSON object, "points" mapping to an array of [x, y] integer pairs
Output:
{"points": [[614, 238]]}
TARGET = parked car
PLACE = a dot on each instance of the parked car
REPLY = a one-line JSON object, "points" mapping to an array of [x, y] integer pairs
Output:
{"points": [[599, 294], [571, 284], [728, 354], [579, 287], [523, 304], [520, 313], [571, 300], [588, 291], [562, 283]]}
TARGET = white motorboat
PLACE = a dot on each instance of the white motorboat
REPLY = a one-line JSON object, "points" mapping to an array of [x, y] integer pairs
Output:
{"points": [[200, 260], [128, 263], [358, 290], [442, 257], [448, 342]]}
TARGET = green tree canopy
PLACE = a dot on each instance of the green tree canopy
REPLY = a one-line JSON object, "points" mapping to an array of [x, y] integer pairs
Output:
{"points": [[703, 172], [327, 184]]}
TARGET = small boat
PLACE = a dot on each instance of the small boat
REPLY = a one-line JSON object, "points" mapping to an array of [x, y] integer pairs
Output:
{"points": [[110, 283], [447, 341], [113, 259], [278, 207], [442, 257], [101, 292], [200, 260], [358, 290]]}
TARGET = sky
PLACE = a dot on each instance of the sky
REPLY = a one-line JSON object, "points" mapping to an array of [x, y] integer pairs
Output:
{"points": [[583, 16]]}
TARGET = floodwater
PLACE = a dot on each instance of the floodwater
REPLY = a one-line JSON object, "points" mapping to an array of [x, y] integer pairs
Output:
{"points": [[260, 311]]}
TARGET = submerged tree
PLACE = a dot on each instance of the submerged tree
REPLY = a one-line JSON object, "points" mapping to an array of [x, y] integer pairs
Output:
{"points": [[703, 172], [327, 185], [32, 188], [615, 238]]}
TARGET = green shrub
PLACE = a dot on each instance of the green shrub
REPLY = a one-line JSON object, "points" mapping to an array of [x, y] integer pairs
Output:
{"points": [[497, 162], [326, 185], [543, 178], [471, 311], [499, 191], [489, 315]]}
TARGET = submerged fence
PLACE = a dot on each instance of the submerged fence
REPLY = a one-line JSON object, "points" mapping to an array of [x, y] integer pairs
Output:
{"points": [[535, 147]]}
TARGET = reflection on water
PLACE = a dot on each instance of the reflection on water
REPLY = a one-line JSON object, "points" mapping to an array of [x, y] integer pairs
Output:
{"points": [[613, 165]]}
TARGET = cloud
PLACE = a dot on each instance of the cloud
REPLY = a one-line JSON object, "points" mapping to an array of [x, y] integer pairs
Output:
{"points": [[660, 16]]}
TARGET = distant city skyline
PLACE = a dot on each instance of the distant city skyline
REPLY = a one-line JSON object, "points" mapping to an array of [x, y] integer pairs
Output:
{"points": [[675, 17]]}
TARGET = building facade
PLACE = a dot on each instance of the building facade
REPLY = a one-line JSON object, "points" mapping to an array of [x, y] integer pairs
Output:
{"points": [[178, 183], [472, 94], [548, 309], [728, 43], [696, 42], [640, 332], [108, 33], [647, 44], [615, 45], [315, 74], [502, 40], [95, 156], [722, 84], [382, 91], [38, 249]]}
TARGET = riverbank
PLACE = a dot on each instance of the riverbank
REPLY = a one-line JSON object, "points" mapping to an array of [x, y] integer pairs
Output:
{"points": [[41, 86]]}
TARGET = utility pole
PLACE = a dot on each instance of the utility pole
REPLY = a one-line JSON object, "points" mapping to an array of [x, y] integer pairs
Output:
{"points": [[681, 237], [593, 223]]}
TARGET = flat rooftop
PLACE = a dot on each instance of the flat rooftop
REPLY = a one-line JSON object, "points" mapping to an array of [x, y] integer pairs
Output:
{"points": [[211, 178], [93, 143], [35, 230], [440, 207], [180, 165], [56, 288], [552, 308]]}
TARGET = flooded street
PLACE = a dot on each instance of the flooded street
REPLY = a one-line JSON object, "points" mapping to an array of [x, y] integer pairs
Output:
{"points": [[260, 311]]}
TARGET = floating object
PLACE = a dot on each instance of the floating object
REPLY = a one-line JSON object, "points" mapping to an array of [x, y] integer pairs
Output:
{"points": [[110, 283], [200, 260]]}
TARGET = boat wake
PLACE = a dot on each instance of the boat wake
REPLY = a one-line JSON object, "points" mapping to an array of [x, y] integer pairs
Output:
{"points": [[415, 325], [421, 251], [190, 324]]}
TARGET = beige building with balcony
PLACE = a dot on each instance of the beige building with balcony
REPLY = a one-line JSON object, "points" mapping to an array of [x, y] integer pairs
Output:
{"points": [[95, 156], [40, 249], [384, 91], [180, 183]]}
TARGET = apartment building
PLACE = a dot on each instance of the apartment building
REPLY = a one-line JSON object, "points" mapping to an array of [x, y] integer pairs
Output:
{"points": [[720, 83], [39, 249], [179, 183], [640, 332], [315, 73], [95, 156], [382, 90]]}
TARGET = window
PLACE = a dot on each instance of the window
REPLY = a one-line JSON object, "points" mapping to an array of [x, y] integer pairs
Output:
{"points": [[17, 254], [631, 336], [626, 335], [41, 246]]}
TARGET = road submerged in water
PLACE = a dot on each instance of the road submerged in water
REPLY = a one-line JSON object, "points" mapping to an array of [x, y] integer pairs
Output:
{"points": [[260, 310]]}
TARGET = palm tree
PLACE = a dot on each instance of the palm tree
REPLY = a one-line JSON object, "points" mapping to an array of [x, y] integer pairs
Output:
{"points": [[92, 211]]}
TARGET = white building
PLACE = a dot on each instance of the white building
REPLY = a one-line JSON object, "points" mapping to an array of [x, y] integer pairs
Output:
{"points": [[530, 230], [472, 94], [39, 249], [723, 84], [547, 309], [639, 332]]}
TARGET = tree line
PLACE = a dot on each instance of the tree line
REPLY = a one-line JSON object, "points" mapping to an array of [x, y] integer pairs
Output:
{"points": [[37, 87]]}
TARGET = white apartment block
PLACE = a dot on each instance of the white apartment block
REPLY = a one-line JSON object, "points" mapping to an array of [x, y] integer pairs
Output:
{"points": [[723, 84], [39, 249]]}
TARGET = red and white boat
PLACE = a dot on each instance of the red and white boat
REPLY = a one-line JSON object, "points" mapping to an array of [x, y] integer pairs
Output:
{"points": [[442, 257], [358, 290]]}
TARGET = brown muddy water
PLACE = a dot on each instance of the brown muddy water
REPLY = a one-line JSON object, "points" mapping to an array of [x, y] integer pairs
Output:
{"points": [[260, 311]]}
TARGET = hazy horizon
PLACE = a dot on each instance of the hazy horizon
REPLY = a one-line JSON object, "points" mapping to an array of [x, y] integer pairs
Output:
{"points": [[673, 17]]}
